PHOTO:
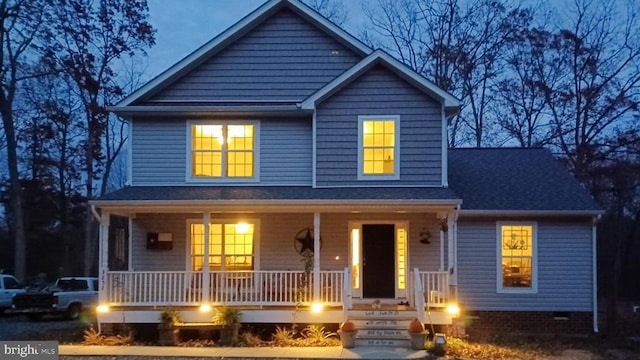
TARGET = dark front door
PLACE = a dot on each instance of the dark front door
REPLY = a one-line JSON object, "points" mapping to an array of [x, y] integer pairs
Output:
{"points": [[378, 254]]}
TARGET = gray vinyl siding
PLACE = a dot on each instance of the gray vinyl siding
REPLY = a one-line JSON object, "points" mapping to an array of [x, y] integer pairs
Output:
{"points": [[379, 92], [286, 152], [158, 149], [159, 152], [564, 268], [284, 58], [276, 239]]}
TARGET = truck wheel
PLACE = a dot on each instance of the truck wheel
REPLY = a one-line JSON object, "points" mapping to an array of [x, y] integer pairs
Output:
{"points": [[73, 312], [34, 317]]}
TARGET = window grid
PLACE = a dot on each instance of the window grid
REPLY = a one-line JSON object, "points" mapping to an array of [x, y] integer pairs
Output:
{"points": [[222, 150], [378, 140], [517, 256], [237, 245]]}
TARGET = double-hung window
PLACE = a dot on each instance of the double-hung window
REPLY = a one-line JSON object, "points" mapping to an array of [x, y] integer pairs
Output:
{"points": [[517, 252], [223, 150], [231, 246], [378, 148]]}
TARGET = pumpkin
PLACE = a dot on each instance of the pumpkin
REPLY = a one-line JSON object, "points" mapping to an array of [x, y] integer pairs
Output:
{"points": [[348, 326], [415, 326]]}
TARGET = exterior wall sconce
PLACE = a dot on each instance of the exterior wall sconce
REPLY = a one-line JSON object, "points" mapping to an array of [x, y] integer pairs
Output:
{"points": [[425, 236]]}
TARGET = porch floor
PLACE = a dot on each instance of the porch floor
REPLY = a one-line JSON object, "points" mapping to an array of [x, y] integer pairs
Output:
{"points": [[239, 353]]}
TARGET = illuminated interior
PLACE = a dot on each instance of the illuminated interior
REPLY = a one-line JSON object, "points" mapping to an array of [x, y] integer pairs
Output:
{"points": [[355, 258], [231, 249], [378, 140], [222, 150], [401, 253], [517, 256]]}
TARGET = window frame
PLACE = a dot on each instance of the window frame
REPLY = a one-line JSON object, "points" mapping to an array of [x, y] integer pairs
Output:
{"points": [[224, 178], [396, 147], [229, 221], [500, 288]]}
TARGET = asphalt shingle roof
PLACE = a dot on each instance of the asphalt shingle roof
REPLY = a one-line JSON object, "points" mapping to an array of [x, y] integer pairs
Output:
{"points": [[494, 179], [515, 179], [184, 193]]}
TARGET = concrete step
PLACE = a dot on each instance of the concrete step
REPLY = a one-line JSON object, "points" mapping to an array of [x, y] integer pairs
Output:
{"points": [[383, 324], [405, 343], [382, 334], [383, 314]]}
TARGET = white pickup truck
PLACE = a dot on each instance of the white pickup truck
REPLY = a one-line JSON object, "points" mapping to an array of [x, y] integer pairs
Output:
{"points": [[9, 287], [69, 296]]}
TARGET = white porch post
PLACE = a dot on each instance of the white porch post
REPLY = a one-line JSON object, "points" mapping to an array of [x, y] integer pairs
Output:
{"points": [[441, 216], [316, 257], [206, 219], [103, 256], [452, 223]]}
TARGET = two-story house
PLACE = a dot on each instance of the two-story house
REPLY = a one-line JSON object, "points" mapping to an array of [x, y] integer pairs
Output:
{"points": [[286, 167]]}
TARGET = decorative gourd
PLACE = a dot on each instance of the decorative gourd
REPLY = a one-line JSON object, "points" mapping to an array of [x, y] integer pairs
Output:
{"points": [[348, 326], [415, 326]]}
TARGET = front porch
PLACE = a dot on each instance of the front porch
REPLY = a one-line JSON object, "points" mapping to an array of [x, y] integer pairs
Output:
{"points": [[263, 296]]}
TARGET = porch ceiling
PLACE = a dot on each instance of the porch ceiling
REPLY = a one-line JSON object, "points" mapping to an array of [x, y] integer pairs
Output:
{"points": [[252, 199]]}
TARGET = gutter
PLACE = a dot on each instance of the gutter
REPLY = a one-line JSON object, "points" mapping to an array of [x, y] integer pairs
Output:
{"points": [[594, 271]]}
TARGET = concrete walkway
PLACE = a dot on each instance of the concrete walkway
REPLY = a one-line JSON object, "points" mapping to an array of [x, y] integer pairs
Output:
{"points": [[280, 353]]}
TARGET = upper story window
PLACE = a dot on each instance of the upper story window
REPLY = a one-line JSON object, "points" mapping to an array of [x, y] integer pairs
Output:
{"points": [[517, 257], [378, 148], [223, 150]]}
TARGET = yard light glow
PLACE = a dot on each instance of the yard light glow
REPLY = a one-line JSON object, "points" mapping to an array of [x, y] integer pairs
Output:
{"points": [[205, 308], [316, 308], [453, 309], [101, 309]]}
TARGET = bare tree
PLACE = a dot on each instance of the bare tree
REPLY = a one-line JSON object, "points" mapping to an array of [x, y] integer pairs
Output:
{"points": [[21, 23], [89, 38], [598, 89], [333, 10]]}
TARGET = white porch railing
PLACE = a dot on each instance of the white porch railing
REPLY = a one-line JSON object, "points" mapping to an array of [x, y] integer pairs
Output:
{"points": [[430, 288], [225, 287]]}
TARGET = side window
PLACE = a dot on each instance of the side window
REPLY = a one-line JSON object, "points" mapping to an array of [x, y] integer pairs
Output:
{"points": [[517, 257], [11, 283]]}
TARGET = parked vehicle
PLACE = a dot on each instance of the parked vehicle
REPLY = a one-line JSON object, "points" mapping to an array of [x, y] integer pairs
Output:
{"points": [[9, 287], [70, 296]]}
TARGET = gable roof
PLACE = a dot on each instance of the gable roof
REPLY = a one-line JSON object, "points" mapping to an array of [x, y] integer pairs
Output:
{"points": [[516, 180], [450, 102], [236, 31]]}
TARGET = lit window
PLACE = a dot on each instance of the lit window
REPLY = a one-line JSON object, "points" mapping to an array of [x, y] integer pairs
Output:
{"points": [[231, 246], [517, 257], [378, 144], [401, 261], [222, 150]]}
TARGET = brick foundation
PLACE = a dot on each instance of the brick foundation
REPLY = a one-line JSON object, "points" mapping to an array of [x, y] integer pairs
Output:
{"points": [[497, 322]]}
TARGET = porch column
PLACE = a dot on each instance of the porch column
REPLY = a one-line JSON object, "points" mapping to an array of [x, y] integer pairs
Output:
{"points": [[206, 219], [103, 256], [316, 257], [442, 216]]}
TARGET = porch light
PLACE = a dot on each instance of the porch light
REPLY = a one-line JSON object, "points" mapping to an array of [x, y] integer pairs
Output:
{"points": [[453, 309], [316, 308], [205, 308], [242, 228], [101, 309]]}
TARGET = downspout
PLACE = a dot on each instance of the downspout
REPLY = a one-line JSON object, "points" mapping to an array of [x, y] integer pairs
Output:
{"points": [[95, 214], [594, 274]]}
